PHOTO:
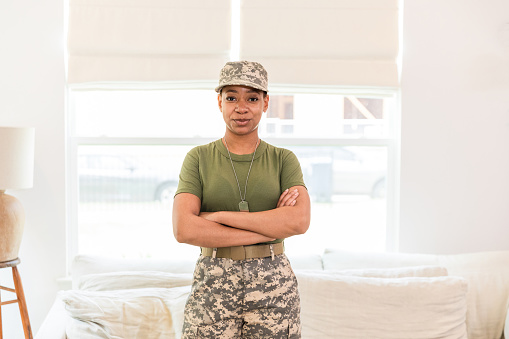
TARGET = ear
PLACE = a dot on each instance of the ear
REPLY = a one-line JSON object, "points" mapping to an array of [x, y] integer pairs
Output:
{"points": [[266, 103], [220, 102]]}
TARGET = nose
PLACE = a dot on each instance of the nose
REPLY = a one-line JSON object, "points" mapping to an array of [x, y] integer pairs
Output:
{"points": [[241, 106]]}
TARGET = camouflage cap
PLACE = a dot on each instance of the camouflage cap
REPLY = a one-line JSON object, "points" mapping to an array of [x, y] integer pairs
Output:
{"points": [[245, 73]]}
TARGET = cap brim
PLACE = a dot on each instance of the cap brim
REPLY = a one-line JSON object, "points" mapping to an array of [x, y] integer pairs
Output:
{"points": [[235, 83]]}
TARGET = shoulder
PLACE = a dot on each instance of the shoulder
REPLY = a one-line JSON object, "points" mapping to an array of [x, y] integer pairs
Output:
{"points": [[203, 150], [276, 150], [280, 152], [199, 155]]}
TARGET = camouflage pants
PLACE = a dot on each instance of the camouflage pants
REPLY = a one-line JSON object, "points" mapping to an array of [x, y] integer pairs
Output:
{"points": [[252, 298]]}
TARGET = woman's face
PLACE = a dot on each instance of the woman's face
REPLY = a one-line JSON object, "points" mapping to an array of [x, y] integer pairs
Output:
{"points": [[242, 108]]}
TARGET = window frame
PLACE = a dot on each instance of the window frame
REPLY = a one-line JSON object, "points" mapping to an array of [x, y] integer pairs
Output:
{"points": [[392, 144]]}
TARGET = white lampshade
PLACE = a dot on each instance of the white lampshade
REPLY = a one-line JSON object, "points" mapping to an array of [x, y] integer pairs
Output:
{"points": [[16, 157]]}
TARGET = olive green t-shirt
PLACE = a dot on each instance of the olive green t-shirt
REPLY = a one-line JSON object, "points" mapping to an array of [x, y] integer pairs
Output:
{"points": [[208, 174]]}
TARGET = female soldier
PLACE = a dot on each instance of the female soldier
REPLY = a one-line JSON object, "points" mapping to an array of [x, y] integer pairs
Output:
{"points": [[238, 198]]}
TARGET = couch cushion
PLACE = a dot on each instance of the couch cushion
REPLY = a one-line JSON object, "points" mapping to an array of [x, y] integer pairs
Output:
{"points": [[87, 264], [344, 260], [131, 280], [335, 306], [155, 313], [487, 274], [396, 272]]}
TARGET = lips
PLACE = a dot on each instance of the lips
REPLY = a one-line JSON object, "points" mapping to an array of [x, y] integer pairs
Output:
{"points": [[241, 122]]}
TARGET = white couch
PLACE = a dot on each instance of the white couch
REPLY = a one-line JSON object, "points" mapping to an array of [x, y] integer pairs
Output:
{"points": [[343, 295]]}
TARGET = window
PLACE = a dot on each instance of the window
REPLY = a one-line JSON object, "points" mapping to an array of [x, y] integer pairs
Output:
{"points": [[129, 128], [127, 143]]}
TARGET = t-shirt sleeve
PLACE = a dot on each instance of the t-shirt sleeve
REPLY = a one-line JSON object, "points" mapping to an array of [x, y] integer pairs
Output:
{"points": [[189, 178], [291, 172]]}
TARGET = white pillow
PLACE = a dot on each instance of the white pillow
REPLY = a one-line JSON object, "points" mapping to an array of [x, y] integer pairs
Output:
{"points": [[155, 313], [335, 306], [130, 280], [398, 272], [306, 261], [87, 264], [344, 260]]}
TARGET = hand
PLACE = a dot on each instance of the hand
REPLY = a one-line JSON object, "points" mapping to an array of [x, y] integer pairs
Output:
{"points": [[288, 198], [207, 215]]}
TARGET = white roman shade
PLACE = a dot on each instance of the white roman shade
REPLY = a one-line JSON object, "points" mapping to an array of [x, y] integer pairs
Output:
{"points": [[323, 42], [147, 40]]}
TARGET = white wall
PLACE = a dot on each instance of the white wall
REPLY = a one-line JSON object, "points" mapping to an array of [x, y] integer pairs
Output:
{"points": [[32, 94], [455, 133], [455, 126]]}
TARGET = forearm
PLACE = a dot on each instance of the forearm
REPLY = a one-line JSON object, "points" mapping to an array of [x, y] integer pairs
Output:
{"points": [[277, 223], [190, 228], [290, 217], [198, 231]]}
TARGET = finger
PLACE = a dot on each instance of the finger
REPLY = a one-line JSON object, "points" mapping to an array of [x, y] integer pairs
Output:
{"points": [[287, 200], [281, 197]]}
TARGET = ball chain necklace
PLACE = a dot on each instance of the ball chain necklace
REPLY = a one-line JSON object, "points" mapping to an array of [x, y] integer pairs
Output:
{"points": [[243, 205]]}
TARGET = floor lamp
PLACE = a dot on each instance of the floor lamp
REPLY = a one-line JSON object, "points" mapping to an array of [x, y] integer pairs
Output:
{"points": [[16, 172]]}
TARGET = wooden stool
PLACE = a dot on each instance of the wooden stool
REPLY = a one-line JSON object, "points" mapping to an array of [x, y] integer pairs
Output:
{"points": [[18, 289]]}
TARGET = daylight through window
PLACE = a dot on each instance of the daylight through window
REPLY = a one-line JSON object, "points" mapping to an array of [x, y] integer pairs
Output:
{"points": [[127, 146]]}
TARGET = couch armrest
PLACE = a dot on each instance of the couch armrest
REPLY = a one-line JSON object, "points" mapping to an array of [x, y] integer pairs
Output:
{"points": [[53, 326], [506, 326]]}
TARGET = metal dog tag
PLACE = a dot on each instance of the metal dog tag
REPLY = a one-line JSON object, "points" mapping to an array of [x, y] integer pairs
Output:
{"points": [[243, 206]]}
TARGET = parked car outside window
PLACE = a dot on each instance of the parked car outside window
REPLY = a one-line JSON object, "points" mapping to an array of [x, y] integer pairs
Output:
{"points": [[110, 177]]}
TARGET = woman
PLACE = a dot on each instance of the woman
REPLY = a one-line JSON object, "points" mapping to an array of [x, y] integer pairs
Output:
{"points": [[238, 198]]}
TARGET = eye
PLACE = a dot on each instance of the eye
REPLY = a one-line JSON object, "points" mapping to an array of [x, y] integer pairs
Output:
{"points": [[254, 99], [230, 98]]}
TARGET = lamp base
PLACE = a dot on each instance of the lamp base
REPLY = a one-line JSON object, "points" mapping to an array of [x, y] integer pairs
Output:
{"points": [[12, 222]]}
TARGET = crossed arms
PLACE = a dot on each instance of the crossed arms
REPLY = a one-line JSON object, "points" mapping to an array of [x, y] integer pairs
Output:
{"points": [[225, 228]]}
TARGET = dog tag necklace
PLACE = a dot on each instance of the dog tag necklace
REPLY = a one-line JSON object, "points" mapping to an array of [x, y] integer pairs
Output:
{"points": [[243, 205]]}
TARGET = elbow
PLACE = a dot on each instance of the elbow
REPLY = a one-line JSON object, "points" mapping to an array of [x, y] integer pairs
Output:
{"points": [[180, 234], [301, 225], [303, 229], [180, 238], [183, 238]]}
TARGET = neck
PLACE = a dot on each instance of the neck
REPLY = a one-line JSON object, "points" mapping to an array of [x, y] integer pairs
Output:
{"points": [[241, 144]]}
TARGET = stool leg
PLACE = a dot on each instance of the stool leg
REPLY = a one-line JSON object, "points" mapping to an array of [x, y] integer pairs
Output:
{"points": [[1, 331], [22, 303]]}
